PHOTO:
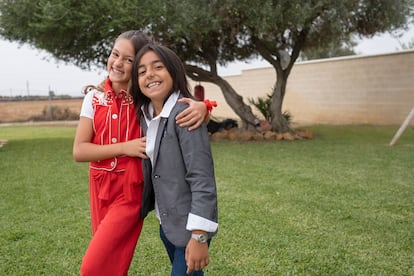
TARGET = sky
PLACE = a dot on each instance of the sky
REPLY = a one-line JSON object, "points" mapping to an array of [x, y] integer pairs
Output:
{"points": [[28, 71]]}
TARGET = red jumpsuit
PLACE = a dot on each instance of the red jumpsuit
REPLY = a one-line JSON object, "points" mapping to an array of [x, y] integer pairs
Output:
{"points": [[115, 188]]}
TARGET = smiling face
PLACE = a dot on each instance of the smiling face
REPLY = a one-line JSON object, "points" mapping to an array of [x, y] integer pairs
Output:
{"points": [[154, 80], [120, 63]]}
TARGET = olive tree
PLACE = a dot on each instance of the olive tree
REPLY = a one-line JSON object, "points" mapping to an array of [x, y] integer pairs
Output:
{"points": [[205, 34]]}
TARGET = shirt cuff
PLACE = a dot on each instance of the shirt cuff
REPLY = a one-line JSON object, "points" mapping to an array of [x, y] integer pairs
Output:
{"points": [[195, 222]]}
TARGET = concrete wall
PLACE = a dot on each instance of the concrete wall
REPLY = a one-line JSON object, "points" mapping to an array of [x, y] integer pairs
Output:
{"points": [[374, 89]]}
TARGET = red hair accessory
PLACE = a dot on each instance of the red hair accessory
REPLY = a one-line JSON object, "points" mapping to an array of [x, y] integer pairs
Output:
{"points": [[209, 105]]}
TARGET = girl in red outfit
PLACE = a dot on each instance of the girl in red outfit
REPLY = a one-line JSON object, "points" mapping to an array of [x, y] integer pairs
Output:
{"points": [[108, 136]]}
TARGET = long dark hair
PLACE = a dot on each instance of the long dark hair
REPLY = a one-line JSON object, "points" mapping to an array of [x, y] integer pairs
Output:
{"points": [[174, 66]]}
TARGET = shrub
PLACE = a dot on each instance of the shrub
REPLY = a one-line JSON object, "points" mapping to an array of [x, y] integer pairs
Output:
{"points": [[56, 113], [263, 105]]}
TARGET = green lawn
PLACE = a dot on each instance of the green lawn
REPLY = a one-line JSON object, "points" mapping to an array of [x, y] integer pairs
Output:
{"points": [[340, 204]]}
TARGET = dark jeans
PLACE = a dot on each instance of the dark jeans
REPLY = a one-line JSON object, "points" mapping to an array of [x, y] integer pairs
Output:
{"points": [[177, 258]]}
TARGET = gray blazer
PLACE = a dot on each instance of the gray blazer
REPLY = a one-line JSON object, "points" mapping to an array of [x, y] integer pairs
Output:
{"points": [[182, 178]]}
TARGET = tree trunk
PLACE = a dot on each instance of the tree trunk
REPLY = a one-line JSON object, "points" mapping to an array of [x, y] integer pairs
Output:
{"points": [[234, 100], [278, 121], [283, 64]]}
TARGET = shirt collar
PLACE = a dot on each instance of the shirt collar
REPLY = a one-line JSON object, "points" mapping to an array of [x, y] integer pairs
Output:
{"points": [[166, 109], [109, 89]]}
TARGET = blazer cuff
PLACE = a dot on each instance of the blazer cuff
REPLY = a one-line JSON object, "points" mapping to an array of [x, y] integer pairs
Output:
{"points": [[195, 222]]}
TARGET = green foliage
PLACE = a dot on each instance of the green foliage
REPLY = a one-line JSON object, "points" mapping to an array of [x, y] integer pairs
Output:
{"points": [[204, 33], [409, 45], [332, 49], [79, 32], [288, 116], [263, 105], [341, 204]]}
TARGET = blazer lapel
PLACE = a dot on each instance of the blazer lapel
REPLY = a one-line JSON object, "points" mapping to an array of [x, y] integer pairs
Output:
{"points": [[160, 132], [144, 126], [148, 197]]}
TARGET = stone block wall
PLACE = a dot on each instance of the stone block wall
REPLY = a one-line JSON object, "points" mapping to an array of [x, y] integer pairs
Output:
{"points": [[371, 89]]}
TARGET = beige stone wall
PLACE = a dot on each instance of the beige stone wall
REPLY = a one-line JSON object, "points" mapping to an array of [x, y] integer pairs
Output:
{"points": [[375, 89]]}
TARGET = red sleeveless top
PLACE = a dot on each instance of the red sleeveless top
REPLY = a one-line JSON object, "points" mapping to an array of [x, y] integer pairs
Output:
{"points": [[115, 120]]}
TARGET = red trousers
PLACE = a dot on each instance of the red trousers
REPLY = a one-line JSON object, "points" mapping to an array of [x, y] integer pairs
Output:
{"points": [[116, 224]]}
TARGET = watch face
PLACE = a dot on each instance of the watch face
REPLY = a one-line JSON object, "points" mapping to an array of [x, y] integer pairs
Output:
{"points": [[202, 238]]}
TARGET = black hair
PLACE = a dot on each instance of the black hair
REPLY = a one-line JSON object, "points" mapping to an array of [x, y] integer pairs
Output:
{"points": [[175, 68]]}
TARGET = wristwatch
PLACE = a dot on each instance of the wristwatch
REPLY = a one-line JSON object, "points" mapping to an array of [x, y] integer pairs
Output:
{"points": [[201, 238]]}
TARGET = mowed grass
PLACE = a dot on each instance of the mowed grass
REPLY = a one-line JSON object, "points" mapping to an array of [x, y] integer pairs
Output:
{"points": [[340, 204]]}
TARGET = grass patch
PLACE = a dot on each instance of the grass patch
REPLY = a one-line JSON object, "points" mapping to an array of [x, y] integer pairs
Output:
{"points": [[340, 204]]}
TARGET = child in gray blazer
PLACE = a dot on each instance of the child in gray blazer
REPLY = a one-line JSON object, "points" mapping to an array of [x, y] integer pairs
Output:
{"points": [[180, 176]]}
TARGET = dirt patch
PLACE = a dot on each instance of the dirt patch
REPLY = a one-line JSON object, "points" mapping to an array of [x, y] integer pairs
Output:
{"points": [[22, 111]]}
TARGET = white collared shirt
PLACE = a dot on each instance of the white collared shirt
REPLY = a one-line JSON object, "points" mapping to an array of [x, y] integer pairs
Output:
{"points": [[194, 222]]}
